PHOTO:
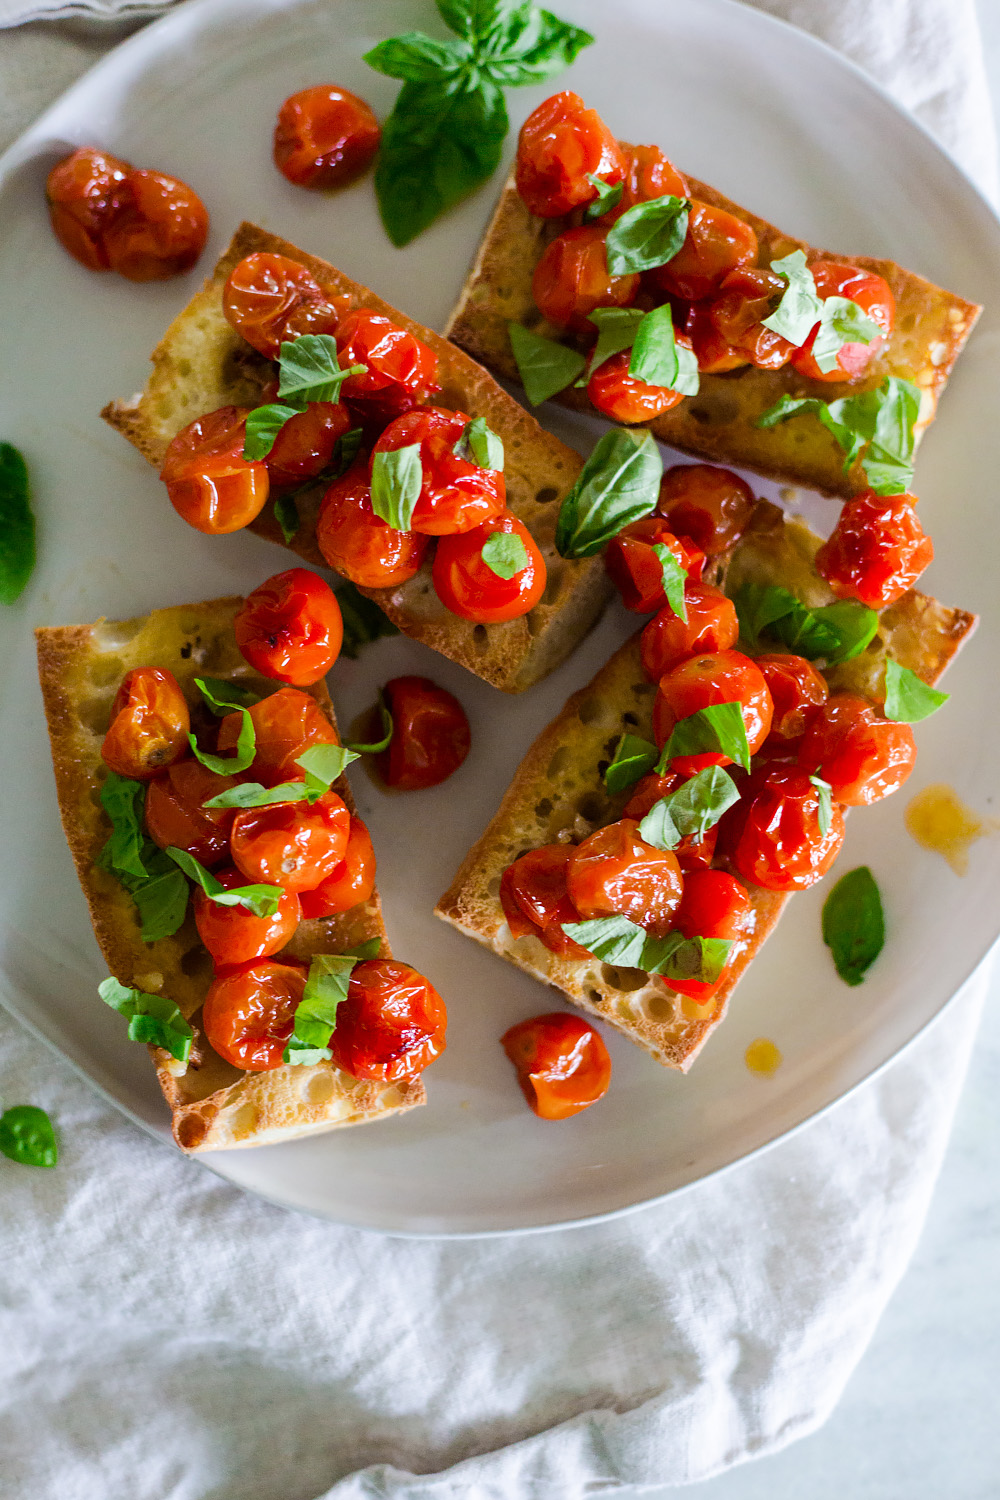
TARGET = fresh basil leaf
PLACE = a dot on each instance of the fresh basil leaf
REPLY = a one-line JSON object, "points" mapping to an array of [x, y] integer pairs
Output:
{"points": [[152, 1018], [824, 792], [882, 420], [286, 513], [309, 370], [543, 48], [263, 425], [647, 235], [17, 525], [322, 765], [616, 940], [908, 699], [480, 445], [616, 330], [842, 322], [158, 889], [262, 900], [658, 359], [758, 606], [161, 901], [609, 195], [836, 632], [505, 554], [674, 580], [397, 477], [124, 801], [854, 924], [691, 810], [800, 308], [27, 1136], [476, 20], [886, 474], [417, 58], [316, 1013], [246, 744], [363, 621], [544, 366], [852, 622], [254, 794], [634, 757], [719, 727], [227, 695], [347, 448], [619, 483], [377, 746]]}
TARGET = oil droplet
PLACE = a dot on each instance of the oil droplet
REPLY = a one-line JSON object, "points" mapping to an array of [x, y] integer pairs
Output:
{"points": [[938, 819], [762, 1057]]}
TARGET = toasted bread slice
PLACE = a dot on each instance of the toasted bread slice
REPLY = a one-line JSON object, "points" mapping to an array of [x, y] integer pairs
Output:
{"points": [[202, 364], [214, 1105], [559, 794], [719, 424]]}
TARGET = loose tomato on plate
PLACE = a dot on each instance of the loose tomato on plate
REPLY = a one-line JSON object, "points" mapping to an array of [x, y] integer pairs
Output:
{"points": [[391, 1026], [325, 137], [714, 905], [286, 723], [176, 817], [711, 626], [456, 494], [248, 1014], [561, 144], [233, 935], [572, 279], [296, 845], [536, 902], [477, 586], [562, 1063], [716, 244], [350, 883], [877, 550], [774, 835], [271, 298], [874, 297], [636, 569], [863, 756], [209, 482], [713, 506], [615, 872], [619, 395], [289, 628], [358, 543], [700, 682], [149, 725], [430, 734]]}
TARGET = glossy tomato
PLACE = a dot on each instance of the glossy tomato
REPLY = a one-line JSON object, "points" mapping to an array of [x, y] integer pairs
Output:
{"points": [[400, 370], [149, 724], [209, 482], [535, 900], [648, 174], [711, 627], [358, 543], [391, 1026], [878, 549], [325, 137], [637, 570], [430, 734], [473, 589], [176, 815], [698, 682], [716, 243], [352, 882], [306, 444], [286, 723], [619, 395], [797, 689], [248, 1014], [748, 296], [232, 934], [774, 835], [713, 506], [562, 1064], [874, 297], [863, 756], [572, 278], [455, 493], [296, 845], [693, 850], [290, 628], [85, 191], [561, 144], [271, 299], [615, 872], [711, 350], [714, 905]]}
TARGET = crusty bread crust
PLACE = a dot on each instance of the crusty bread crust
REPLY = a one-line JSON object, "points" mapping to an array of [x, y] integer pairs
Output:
{"points": [[558, 794], [719, 423], [202, 363], [213, 1104]]}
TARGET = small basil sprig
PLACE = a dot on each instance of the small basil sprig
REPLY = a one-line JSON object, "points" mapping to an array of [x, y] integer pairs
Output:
{"points": [[322, 765], [717, 728], [308, 370], [246, 743], [877, 425], [691, 810], [445, 134], [619, 483], [479, 444], [633, 759], [363, 621], [27, 1136], [908, 699], [151, 1018], [544, 366], [832, 632], [609, 195], [157, 887], [647, 235], [316, 1013], [505, 554], [261, 900], [616, 940], [397, 479], [854, 924], [17, 525], [840, 320]]}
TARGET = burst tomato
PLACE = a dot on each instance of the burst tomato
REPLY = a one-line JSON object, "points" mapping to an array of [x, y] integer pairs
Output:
{"points": [[697, 682], [714, 905], [711, 626], [713, 353], [748, 296], [648, 174], [358, 543], [619, 395], [456, 494], [430, 734], [561, 142], [572, 278], [535, 901], [290, 628], [693, 850], [715, 244], [209, 482], [774, 837], [286, 723], [400, 370], [713, 506], [878, 549], [271, 299], [874, 297], [471, 588], [149, 725], [296, 845], [305, 446], [352, 882], [85, 191], [797, 689], [233, 935], [636, 569], [615, 872], [392, 1024], [176, 817], [863, 756], [248, 1014], [325, 137], [562, 1064]]}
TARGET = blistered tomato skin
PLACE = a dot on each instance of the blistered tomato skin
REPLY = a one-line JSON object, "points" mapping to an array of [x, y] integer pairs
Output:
{"points": [[711, 626], [648, 174], [877, 550], [286, 723], [358, 543], [560, 143], [325, 137], [400, 370], [693, 851], [430, 734], [248, 1014], [713, 353], [84, 192], [562, 1064], [289, 628], [698, 682], [149, 725], [306, 444], [716, 244], [210, 484], [615, 872], [296, 845], [874, 297], [619, 395], [352, 882], [391, 1026], [456, 494], [713, 506], [863, 756], [535, 900], [636, 569], [233, 935], [773, 836], [746, 297], [469, 587], [176, 817], [714, 905], [797, 690], [572, 279], [271, 298]]}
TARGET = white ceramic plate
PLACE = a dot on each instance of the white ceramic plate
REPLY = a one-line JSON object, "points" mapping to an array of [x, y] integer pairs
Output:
{"points": [[737, 99]]}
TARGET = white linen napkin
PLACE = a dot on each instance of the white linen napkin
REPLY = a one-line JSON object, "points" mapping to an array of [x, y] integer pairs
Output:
{"points": [[163, 1334]]}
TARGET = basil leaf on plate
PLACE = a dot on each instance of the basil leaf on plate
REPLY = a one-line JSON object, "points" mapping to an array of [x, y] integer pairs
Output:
{"points": [[316, 1013], [479, 444], [261, 900], [363, 621], [619, 483], [690, 811], [532, 50], [17, 525], [647, 235], [658, 359], [544, 366], [27, 1136], [908, 699], [397, 478], [153, 1019], [634, 757], [717, 728], [854, 924], [609, 195], [674, 580], [416, 58], [505, 554], [246, 743]]}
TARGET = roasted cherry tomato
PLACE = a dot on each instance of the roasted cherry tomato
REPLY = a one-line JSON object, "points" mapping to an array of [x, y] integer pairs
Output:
{"points": [[562, 1064], [698, 682], [615, 872], [305, 445], [456, 494], [400, 370], [711, 626], [392, 1024], [572, 278], [296, 845], [430, 734], [210, 484], [774, 837], [248, 1013], [693, 850], [110, 216], [358, 543], [797, 689], [176, 815], [714, 905], [713, 506], [472, 589], [637, 570], [271, 299], [233, 935], [874, 297], [561, 142], [350, 883], [878, 549], [290, 628], [535, 900], [325, 137], [748, 296], [713, 353], [149, 725], [716, 243], [863, 756], [619, 395], [286, 723], [648, 174]]}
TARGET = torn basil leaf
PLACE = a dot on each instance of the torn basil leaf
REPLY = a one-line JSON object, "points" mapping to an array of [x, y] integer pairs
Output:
{"points": [[397, 479], [657, 357], [246, 743], [908, 699], [690, 811], [480, 445], [316, 1013], [619, 483], [505, 554], [616, 940], [616, 331], [261, 900], [153, 1019], [634, 758], [647, 235], [878, 425], [717, 728], [824, 792], [609, 195], [27, 1136], [674, 580], [375, 747], [17, 525], [309, 370], [834, 632], [262, 427], [544, 366], [286, 513], [854, 924], [157, 887]]}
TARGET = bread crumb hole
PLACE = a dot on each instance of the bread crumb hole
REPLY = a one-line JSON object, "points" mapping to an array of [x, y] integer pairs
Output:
{"points": [[558, 763], [94, 714], [546, 494], [591, 807], [196, 963], [590, 711], [319, 1087], [112, 635], [243, 1121], [623, 979], [660, 1008], [595, 997], [543, 808], [191, 1131], [480, 636]]}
